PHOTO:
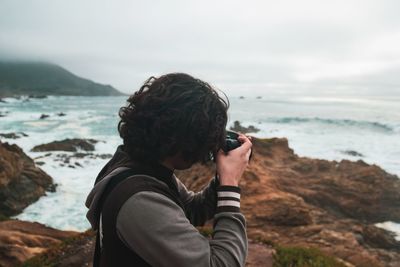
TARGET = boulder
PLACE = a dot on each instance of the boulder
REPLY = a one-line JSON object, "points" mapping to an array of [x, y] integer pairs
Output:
{"points": [[37, 96], [352, 153], [13, 135], [72, 145], [237, 127], [43, 116], [21, 181]]}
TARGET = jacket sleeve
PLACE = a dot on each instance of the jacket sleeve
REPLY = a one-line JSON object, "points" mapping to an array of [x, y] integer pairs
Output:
{"points": [[201, 206], [157, 229]]}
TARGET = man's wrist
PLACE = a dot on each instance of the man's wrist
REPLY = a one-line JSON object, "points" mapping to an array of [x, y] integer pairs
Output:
{"points": [[228, 198], [229, 183], [228, 180]]}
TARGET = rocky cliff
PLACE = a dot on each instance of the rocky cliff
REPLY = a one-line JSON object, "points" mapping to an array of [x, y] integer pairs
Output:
{"points": [[292, 200], [21, 181], [296, 201]]}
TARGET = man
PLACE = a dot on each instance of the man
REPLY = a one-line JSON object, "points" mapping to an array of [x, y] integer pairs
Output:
{"points": [[143, 214]]}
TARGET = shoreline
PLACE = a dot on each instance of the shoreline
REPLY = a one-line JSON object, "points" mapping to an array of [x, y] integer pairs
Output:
{"points": [[59, 171], [281, 210]]}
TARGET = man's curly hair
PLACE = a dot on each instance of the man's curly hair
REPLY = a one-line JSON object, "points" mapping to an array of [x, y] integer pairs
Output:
{"points": [[173, 114]]}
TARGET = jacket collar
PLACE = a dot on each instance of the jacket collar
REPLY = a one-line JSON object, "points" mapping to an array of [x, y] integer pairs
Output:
{"points": [[154, 169]]}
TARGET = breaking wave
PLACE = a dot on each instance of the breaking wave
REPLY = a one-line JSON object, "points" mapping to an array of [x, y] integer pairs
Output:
{"points": [[371, 125]]}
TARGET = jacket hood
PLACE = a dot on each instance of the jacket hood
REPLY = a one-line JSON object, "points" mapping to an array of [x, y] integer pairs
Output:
{"points": [[118, 163]]}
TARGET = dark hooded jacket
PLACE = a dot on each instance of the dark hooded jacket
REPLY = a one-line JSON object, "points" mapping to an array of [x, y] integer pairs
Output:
{"points": [[161, 231]]}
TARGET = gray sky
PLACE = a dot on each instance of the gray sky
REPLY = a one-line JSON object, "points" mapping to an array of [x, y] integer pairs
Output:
{"points": [[306, 47]]}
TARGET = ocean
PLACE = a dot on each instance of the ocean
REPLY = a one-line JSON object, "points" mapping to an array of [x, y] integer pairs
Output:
{"points": [[319, 127]]}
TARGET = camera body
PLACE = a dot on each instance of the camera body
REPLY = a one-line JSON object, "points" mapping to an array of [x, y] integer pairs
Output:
{"points": [[231, 141]]}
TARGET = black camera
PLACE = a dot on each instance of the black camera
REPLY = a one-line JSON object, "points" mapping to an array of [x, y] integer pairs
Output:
{"points": [[231, 141]]}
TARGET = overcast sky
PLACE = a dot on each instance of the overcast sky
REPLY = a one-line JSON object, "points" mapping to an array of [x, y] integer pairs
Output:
{"points": [[307, 47]]}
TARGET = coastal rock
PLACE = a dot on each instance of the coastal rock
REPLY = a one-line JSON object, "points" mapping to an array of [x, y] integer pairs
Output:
{"points": [[92, 156], [353, 153], [297, 201], [37, 96], [237, 127], [329, 205], [67, 159], [13, 135], [21, 181], [44, 116], [72, 145], [21, 240], [3, 114], [78, 252]]}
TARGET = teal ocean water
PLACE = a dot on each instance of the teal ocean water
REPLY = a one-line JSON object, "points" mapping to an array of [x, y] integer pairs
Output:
{"points": [[318, 127]]}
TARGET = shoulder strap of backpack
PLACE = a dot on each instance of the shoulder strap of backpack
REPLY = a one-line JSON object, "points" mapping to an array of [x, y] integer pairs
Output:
{"points": [[118, 191], [110, 186]]}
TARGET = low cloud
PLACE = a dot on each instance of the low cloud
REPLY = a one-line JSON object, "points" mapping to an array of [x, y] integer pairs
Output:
{"points": [[263, 46]]}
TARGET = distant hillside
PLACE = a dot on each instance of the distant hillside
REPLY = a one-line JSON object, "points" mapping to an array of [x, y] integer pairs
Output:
{"points": [[22, 78]]}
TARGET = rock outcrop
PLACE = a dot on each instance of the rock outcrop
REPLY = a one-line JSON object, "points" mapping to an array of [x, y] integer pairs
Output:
{"points": [[72, 145], [297, 201], [44, 116], [78, 252], [237, 127], [21, 181], [330, 205], [21, 240], [13, 135]]}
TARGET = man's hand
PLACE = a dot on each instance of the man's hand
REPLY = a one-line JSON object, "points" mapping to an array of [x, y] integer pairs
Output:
{"points": [[231, 166]]}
